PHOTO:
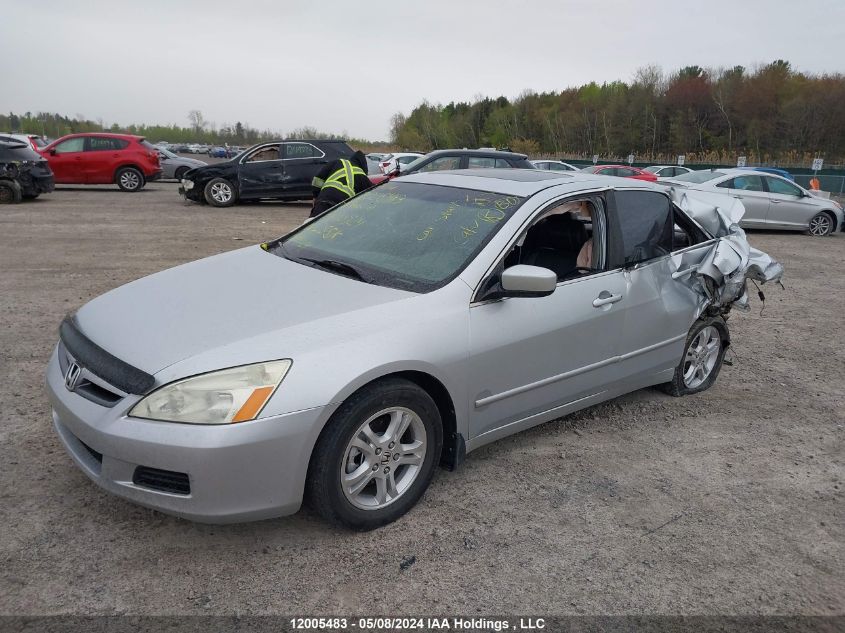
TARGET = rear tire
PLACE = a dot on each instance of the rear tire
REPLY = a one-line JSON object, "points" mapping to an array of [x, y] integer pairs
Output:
{"points": [[701, 362], [376, 456], [10, 192], [219, 192], [129, 179], [821, 224]]}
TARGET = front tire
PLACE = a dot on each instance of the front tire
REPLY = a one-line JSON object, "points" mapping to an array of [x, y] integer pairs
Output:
{"points": [[219, 192], [821, 224], [376, 456], [129, 179], [180, 173], [704, 352]]}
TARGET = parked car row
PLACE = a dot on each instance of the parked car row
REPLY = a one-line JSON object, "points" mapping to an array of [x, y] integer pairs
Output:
{"points": [[284, 170]]}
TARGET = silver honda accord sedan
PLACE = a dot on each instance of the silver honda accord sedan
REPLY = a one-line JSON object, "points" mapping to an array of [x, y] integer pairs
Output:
{"points": [[770, 201], [342, 363]]}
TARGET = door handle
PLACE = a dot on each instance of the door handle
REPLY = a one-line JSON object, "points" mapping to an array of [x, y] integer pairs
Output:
{"points": [[738, 197], [773, 201], [605, 298], [679, 274]]}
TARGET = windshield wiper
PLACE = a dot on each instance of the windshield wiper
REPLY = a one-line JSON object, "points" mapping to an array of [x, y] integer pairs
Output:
{"points": [[338, 267]]}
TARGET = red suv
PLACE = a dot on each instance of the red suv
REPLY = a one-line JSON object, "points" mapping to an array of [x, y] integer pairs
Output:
{"points": [[99, 159]]}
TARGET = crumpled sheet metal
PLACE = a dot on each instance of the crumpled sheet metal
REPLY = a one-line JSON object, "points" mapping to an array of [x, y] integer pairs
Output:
{"points": [[731, 260]]}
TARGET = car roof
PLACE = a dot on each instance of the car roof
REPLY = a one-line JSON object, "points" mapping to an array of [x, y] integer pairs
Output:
{"points": [[482, 153], [7, 142], [127, 137], [519, 182]]}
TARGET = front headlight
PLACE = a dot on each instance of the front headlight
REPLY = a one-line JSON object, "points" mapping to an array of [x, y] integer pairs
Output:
{"points": [[187, 184], [230, 395]]}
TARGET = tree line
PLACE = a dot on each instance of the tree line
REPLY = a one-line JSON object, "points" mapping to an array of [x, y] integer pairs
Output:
{"points": [[771, 114], [198, 130]]}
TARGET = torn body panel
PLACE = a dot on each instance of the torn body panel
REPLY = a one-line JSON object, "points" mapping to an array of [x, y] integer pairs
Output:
{"points": [[721, 273]]}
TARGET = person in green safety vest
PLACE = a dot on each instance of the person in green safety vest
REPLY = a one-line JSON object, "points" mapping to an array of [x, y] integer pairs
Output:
{"points": [[339, 181]]}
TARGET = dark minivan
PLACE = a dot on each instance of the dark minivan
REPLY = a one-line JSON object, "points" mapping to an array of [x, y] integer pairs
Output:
{"points": [[274, 170]]}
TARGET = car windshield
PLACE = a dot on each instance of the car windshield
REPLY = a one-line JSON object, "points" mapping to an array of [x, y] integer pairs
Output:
{"points": [[698, 177], [39, 142], [653, 170], [167, 153], [411, 236]]}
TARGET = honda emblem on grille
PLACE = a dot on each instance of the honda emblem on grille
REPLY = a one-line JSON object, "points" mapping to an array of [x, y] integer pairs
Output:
{"points": [[72, 376]]}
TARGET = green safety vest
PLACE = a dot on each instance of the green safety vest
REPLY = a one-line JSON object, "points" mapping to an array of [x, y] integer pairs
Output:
{"points": [[344, 178]]}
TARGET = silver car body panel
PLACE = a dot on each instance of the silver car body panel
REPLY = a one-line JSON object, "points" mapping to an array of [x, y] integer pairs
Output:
{"points": [[506, 365], [766, 209]]}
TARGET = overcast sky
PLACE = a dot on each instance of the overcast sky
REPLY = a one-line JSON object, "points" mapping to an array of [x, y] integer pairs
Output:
{"points": [[346, 67]]}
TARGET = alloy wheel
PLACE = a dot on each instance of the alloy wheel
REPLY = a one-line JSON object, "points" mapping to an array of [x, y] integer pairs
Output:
{"points": [[701, 357], [221, 192], [820, 225], [383, 458], [130, 180]]}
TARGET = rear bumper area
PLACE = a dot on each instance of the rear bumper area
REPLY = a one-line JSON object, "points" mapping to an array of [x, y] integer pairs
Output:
{"points": [[156, 175], [32, 185], [205, 473]]}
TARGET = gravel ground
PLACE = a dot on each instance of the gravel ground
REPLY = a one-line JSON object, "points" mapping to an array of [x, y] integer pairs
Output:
{"points": [[728, 502]]}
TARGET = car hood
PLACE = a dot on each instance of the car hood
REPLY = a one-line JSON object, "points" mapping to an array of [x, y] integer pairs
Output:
{"points": [[182, 312], [193, 162]]}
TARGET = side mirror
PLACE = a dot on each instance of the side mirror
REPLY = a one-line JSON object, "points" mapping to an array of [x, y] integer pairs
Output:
{"points": [[523, 281], [53, 152]]}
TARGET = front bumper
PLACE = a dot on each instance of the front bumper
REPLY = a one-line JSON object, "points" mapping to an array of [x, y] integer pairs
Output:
{"points": [[237, 472], [191, 190]]}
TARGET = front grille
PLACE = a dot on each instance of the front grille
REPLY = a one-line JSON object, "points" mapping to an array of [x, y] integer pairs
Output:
{"points": [[87, 389], [162, 480]]}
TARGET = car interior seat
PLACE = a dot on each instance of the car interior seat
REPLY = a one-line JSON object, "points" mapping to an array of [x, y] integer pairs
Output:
{"points": [[554, 243]]}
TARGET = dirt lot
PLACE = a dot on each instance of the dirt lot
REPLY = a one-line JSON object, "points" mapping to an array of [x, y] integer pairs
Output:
{"points": [[727, 502]]}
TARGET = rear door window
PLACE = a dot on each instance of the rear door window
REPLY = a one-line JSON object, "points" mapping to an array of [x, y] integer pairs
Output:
{"points": [[100, 144], [301, 150], [643, 227], [480, 162]]}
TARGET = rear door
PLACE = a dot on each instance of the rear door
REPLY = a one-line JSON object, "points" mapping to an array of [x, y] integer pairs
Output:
{"points": [[301, 161], [101, 156], [788, 207], [750, 190], [261, 173], [660, 304], [67, 161]]}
